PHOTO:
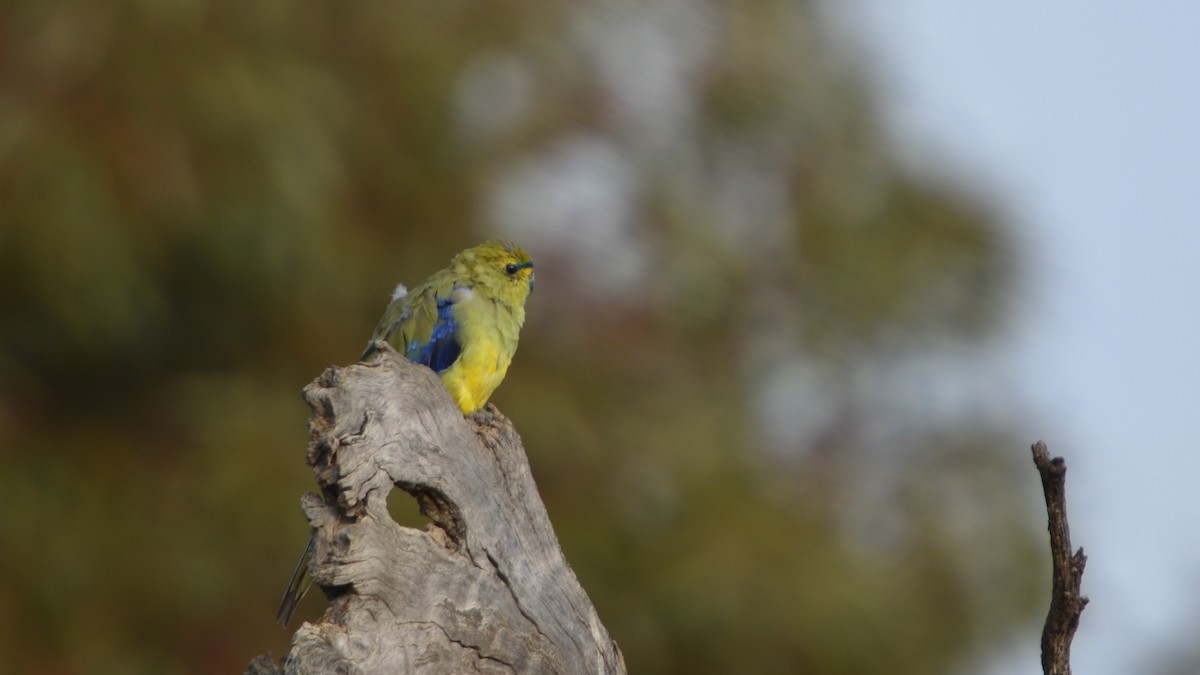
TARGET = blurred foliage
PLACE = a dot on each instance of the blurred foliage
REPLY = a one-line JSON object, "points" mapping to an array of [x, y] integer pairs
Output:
{"points": [[754, 383]]}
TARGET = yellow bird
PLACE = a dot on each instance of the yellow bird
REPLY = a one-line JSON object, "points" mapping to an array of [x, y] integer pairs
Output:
{"points": [[464, 321]]}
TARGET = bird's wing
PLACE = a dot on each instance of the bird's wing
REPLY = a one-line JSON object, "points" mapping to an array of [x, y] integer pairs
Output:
{"points": [[442, 347], [423, 326]]}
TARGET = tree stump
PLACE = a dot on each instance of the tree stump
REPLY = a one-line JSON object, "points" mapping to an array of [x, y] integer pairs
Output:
{"points": [[484, 588]]}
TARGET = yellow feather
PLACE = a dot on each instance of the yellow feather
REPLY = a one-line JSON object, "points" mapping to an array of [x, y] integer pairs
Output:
{"points": [[489, 309]]}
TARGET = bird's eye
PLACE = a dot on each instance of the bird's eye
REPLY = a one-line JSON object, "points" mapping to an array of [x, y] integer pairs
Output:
{"points": [[511, 268]]}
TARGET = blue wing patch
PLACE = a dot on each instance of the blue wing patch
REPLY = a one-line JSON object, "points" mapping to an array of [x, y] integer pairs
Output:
{"points": [[443, 347]]}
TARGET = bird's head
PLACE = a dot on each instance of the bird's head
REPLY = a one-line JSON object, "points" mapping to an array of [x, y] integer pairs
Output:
{"points": [[502, 268]]}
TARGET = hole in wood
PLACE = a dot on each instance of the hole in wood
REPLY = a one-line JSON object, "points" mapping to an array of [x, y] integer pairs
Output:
{"points": [[405, 510], [437, 509]]}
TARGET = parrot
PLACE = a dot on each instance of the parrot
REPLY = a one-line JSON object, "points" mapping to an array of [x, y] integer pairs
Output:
{"points": [[463, 322]]}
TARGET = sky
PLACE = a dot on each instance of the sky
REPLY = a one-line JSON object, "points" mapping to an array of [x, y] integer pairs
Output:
{"points": [[1083, 119]]}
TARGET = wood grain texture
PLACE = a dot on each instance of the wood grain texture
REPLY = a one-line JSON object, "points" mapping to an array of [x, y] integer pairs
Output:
{"points": [[485, 588]]}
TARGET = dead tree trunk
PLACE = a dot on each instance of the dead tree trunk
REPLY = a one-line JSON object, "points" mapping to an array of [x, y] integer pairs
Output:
{"points": [[484, 588]]}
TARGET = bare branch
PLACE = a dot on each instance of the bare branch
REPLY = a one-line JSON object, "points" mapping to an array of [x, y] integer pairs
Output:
{"points": [[1066, 603]]}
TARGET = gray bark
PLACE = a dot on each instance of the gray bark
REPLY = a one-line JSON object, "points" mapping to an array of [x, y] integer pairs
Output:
{"points": [[484, 588]]}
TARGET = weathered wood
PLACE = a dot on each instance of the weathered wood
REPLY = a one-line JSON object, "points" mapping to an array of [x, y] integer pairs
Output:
{"points": [[1066, 601], [485, 588]]}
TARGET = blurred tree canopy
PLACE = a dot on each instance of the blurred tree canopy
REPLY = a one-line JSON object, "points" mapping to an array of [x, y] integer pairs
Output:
{"points": [[755, 384]]}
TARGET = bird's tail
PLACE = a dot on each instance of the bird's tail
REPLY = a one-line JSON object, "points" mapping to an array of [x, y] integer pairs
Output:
{"points": [[298, 586], [372, 348]]}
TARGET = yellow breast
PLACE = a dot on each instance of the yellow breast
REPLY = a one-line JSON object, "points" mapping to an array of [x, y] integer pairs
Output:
{"points": [[476, 374]]}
